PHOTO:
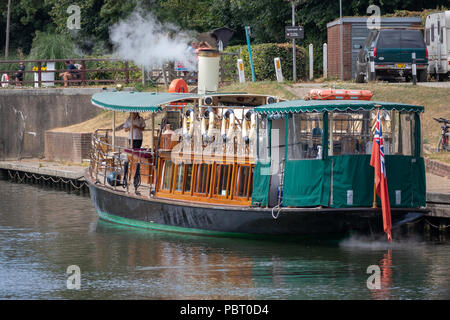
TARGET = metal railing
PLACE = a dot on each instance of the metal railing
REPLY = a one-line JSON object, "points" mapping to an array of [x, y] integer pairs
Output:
{"points": [[84, 73], [86, 76], [106, 158]]}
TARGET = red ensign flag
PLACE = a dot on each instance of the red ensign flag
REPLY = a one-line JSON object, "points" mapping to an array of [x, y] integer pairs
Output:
{"points": [[377, 161]]}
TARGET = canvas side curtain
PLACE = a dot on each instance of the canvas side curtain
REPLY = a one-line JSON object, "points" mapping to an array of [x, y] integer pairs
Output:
{"points": [[306, 183], [261, 184]]}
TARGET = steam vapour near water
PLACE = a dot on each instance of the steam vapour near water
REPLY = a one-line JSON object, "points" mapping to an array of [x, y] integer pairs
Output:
{"points": [[144, 40]]}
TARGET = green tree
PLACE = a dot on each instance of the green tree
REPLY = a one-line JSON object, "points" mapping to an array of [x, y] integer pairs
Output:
{"points": [[27, 16]]}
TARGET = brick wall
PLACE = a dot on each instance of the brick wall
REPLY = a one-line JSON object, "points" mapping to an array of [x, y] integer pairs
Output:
{"points": [[437, 168], [72, 147], [67, 146], [334, 53]]}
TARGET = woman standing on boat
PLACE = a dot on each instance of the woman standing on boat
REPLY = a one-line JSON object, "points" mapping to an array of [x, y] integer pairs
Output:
{"points": [[138, 125]]}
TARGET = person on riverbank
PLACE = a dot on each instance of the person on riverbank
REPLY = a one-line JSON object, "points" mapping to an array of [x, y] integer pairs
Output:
{"points": [[138, 124], [71, 73], [18, 76]]}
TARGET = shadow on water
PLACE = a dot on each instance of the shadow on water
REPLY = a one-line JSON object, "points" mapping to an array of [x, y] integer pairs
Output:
{"points": [[294, 270]]}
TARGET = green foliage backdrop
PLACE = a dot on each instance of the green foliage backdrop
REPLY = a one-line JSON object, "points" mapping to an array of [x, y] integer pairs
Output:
{"points": [[267, 19]]}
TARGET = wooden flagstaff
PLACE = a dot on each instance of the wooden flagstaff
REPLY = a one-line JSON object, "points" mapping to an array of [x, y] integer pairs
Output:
{"points": [[114, 131], [131, 130], [374, 203], [153, 132]]}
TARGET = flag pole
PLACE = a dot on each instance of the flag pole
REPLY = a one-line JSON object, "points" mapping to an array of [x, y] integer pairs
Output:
{"points": [[374, 203]]}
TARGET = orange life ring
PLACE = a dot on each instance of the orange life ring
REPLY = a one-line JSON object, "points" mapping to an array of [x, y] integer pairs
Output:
{"points": [[337, 94], [178, 86]]}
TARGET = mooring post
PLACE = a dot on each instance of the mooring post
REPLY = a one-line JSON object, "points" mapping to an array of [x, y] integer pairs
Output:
{"points": [[372, 67], [414, 68]]}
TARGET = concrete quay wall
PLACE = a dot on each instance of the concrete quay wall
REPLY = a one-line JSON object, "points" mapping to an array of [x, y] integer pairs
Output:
{"points": [[25, 115]]}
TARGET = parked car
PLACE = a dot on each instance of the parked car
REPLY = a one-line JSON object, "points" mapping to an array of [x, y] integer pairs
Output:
{"points": [[392, 50], [437, 38]]}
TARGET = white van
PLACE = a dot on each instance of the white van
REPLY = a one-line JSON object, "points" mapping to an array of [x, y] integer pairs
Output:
{"points": [[437, 38]]}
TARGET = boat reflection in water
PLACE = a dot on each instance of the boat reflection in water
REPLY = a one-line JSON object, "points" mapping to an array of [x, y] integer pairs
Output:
{"points": [[198, 267]]}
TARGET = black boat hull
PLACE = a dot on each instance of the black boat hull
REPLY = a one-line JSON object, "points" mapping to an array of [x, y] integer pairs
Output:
{"points": [[234, 221]]}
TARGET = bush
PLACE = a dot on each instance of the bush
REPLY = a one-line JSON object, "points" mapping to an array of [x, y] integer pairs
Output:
{"points": [[48, 46], [263, 61]]}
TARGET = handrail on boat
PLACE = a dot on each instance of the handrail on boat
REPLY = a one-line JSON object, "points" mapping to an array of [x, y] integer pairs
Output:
{"points": [[106, 158]]}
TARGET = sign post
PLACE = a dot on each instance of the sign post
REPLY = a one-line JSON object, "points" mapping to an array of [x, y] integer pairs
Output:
{"points": [[247, 35], [294, 32]]}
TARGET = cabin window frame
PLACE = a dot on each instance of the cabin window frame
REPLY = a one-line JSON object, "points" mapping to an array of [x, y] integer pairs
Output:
{"points": [[217, 178], [294, 123], [248, 181], [263, 127], [398, 127], [162, 175], [207, 181], [175, 178], [186, 179]]}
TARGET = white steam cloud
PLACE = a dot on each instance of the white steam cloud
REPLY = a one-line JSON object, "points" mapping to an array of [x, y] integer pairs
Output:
{"points": [[144, 40]]}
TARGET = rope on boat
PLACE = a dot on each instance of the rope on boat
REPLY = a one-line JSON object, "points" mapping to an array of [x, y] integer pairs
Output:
{"points": [[21, 179], [279, 210]]}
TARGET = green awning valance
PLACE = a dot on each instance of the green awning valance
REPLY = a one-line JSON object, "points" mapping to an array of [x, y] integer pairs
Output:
{"points": [[296, 106], [138, 101]]}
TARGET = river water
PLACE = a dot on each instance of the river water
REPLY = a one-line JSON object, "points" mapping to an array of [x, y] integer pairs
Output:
{"points": [[44, 231]]}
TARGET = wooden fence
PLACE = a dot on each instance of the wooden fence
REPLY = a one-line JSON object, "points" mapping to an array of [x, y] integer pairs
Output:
{"points": [[163, 75]]}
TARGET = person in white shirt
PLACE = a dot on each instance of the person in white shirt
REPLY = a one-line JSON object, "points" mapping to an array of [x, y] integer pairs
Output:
{"points": [[138, 127]]}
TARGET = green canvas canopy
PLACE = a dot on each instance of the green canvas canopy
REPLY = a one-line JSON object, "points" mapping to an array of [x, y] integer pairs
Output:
{"points": [[296, 106], [340, 180], [138, 101]]}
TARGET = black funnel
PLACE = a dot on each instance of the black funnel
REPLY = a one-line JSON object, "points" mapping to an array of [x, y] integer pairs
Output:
{"points": [[222, 35]]}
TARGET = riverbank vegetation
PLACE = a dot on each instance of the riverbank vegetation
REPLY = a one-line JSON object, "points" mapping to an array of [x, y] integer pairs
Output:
{"points": [[266, 18]]}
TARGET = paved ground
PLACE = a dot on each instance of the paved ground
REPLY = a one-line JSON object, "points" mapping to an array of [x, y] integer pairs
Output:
{"points": [[425, 84], [57, 169], [437, 184], [300, 90]]}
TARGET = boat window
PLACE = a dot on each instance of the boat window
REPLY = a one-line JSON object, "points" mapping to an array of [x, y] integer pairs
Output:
{"points": [[349, 132], [305, 136], [202, 178], [427, 36], [398, 133], [222, 177], [187, 182], [352, 133], [244, 181], [166, 174], [179, 177], [263, 139], [432, 33]]}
